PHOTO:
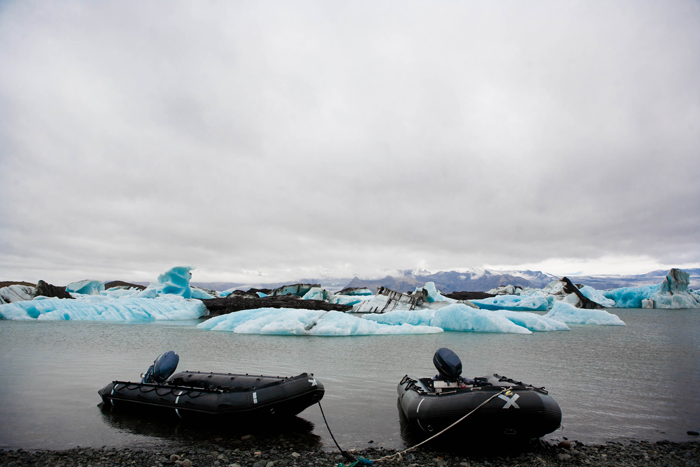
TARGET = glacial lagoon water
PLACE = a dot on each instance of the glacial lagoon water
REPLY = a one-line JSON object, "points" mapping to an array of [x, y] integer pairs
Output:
{"points": [[640, 381]]}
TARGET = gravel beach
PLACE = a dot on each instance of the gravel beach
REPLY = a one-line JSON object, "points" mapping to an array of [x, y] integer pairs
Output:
{"points": [[254, 453]]}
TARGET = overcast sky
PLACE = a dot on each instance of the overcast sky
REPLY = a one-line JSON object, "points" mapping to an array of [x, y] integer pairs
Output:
{"points": [[263, 141]]}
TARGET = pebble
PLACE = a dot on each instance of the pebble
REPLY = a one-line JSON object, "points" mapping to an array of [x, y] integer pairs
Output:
{"points": [[277, 454]]}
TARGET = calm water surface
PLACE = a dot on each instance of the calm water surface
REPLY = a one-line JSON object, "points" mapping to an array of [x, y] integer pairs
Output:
{"points": [[640, 381]]}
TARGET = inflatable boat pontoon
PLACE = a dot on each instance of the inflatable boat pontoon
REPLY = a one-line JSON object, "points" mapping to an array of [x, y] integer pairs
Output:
{"points": [[432, 404], [190, 394]]}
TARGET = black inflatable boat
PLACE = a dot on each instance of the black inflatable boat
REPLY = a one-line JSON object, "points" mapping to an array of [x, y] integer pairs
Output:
{"points": [[192, 394], [518, 409]]}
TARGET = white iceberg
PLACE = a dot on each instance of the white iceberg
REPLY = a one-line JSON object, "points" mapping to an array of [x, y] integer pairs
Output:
{"points": [[454, 317], [431, 293], [103, 308], [300, 322], [533, 321], [597, 296], [567, 313], [16, 293], [514, 303]]}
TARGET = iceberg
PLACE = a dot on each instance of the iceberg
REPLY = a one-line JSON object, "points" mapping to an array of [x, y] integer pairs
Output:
{"points": [[568, 313], [317, 293], [514, 303], [431, 293], [355, 291], [597, 296], [104, 308], [424, 298], [301, 322], [454, 317], [86, 287], [175, 281], [16, 293], [672, 293], [533, 321]]}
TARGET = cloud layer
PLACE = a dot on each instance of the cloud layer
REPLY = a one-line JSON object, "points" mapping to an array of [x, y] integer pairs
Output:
{"points": [[276, 139]]}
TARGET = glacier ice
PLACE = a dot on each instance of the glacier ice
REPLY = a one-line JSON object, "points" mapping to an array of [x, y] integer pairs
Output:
{"points": [[597, 296], [514, 303], [355, 291], [533, 321], [174, 281], [16, 293], [432, 294], [104, 308], [672, 293], [454, 317], [317, 293], [86, 287], [300, 322], [567, 313]]}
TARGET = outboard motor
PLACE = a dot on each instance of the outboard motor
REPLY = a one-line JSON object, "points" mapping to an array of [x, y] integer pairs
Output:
{"points": [[448, 364], [162, 368]]}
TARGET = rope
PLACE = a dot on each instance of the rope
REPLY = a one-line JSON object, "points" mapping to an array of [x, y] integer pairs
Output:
{"points": [[344, 453], [441, 432]]}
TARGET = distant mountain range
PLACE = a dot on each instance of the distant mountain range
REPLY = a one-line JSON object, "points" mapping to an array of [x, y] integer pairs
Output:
{"points": [[467, 280]]}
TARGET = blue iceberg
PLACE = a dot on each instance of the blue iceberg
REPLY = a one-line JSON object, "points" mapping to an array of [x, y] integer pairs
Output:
{"points": [[86, 287], [672, 293], [103, 308], [300, 322], [175, 281], [454, 317], [567, 313], [514, 303]]}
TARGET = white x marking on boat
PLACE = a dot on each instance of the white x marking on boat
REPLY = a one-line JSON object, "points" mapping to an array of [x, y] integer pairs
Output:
{"points": [[510, 401]]}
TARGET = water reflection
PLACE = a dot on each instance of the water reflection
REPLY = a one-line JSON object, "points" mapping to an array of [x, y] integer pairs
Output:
{"points": [[154, 424]]}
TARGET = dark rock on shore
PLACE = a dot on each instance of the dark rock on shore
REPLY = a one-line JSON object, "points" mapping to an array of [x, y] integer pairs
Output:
{"points": [[469, 295], [251, 452], [48, 290], [236, 302]]}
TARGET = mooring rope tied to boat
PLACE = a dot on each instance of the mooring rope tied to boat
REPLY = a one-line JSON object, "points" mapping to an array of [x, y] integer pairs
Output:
{"points": [[363, 461]]}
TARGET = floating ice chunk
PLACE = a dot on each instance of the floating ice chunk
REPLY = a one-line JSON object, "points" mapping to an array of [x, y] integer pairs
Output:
{"points": [[200, 294], [567, 313], [175, 281], [597, 296], [514, 303], [454, 317], [671, 293], [16, 293], [349, 300], [103, 308], [261, 294], [533, 321], [317, 293], [432, 294], [299, 322], [355, 291], [86, 287]]}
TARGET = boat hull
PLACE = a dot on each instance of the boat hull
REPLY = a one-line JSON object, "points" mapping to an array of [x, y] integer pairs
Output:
{"points": [[523, 411], [217, 395]]}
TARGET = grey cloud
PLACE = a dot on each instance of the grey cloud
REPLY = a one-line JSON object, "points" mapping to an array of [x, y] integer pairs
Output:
{"points": [[354, 137]]}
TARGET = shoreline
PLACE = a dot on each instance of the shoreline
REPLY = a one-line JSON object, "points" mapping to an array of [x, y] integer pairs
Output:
{"points": [[254, 453]]}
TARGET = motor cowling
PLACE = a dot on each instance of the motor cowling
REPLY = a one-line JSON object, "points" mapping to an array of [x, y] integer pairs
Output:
{"points": [[448, 364], [162, 368]]}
